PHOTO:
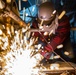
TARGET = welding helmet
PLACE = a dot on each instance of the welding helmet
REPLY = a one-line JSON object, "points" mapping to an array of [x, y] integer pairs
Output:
{"points": [[46, 12]]}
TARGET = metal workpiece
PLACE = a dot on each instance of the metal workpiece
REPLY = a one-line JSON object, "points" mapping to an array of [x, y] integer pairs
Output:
{"points": [[7, 11]]}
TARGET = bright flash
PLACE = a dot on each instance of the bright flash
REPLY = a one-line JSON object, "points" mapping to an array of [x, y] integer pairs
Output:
{"points": [[60, 46], [17, 58], [66, 53], [54, 66], [0, 32]]}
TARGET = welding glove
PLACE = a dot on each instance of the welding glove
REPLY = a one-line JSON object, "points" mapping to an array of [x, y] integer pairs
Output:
{"points": [[46, 52]]}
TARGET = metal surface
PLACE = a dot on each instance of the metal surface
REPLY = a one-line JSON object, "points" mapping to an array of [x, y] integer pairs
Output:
{"points": [[62, 68]]}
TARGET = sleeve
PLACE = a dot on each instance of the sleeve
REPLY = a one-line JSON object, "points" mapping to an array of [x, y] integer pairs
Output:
{"points": [[61, 34]]}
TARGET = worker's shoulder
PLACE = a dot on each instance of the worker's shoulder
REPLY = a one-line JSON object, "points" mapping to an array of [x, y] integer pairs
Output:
{"points": [[64, 19]]}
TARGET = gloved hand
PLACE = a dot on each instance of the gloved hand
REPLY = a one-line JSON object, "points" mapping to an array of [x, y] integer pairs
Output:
{"points": [[45, 54]]}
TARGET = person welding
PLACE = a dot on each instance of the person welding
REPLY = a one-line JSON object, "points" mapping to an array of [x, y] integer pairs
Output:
{"points": [[54, 30]]}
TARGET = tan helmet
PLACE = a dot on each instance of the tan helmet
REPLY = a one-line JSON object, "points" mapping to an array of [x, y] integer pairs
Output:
{"points": [[46, 13]]}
